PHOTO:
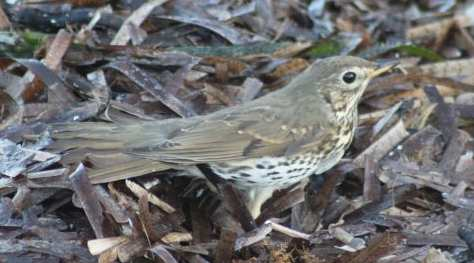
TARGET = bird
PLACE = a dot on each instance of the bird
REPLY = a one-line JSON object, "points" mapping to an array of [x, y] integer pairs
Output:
{"points": [[260, 146]]}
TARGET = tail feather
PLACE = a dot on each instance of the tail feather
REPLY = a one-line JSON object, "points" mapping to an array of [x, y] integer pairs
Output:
{"points": [[94, 135], [126, 170], [61, 144], [103, 145]]}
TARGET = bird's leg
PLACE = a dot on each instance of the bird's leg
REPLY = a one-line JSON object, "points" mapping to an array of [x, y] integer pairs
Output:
{"points": [[255, 197]]}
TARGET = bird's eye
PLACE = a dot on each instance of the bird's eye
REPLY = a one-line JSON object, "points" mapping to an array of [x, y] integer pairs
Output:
{"points": [[349, 77]]}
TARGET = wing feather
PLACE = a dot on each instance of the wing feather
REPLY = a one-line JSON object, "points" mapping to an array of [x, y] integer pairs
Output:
{"points": [[236, 135]]}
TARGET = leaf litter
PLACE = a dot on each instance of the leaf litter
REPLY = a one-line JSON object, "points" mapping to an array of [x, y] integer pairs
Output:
{"points": [[403, 192]]}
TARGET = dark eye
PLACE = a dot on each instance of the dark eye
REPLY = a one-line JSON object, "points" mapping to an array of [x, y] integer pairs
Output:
{"points": [[349, 77]]}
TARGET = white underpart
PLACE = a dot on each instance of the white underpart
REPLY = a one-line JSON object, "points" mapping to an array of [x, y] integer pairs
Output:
{"points": [[258, 184]]}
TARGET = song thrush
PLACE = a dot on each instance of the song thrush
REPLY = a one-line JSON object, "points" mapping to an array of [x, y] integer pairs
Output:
{"points": [[260, 146]]}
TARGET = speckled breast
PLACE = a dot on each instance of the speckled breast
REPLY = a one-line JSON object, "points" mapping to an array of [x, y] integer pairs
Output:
{"points": [[281, 172]]}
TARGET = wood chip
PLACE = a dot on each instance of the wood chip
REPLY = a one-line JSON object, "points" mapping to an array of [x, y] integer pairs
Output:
{"points": [[163, 254], [139, 191], [438, 256], [288, 231], [135, 19], [177, 237], [88, 198], [99, 246], [398, 195], [4, 21], [378, 247], [384, 144], [352, 243], [234, 201], [418, 239], [253, 236], [225, 246], [372, 188]]}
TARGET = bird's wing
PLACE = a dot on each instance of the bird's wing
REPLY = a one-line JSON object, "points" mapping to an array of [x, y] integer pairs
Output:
{"points": [[235, 135]]}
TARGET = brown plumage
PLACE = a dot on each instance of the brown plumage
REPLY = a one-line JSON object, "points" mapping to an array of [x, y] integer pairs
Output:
{"points": [[260, 146]]}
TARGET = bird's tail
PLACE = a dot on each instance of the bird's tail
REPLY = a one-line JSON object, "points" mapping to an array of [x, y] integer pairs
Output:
{"points": [[94, 136], [103, 146]]}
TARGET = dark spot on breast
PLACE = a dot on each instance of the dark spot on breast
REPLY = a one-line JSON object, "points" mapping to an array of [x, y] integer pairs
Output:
{"points": [[284, 164], [277, 178], [327, 151], [273, 173], [302, 162], [347, 132], [259, 166], [245, 175], [294, 176], [251, 182], [234, 177], [271, 167]]}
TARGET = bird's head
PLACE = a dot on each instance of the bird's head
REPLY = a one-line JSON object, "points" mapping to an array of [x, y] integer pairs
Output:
{"points": [[340, 80]]}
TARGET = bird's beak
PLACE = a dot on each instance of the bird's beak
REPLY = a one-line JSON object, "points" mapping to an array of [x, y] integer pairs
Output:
{"points": [[382, 68]]}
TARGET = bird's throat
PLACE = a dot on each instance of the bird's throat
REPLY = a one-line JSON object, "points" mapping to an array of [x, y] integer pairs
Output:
{"points": [[343, 107]]}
